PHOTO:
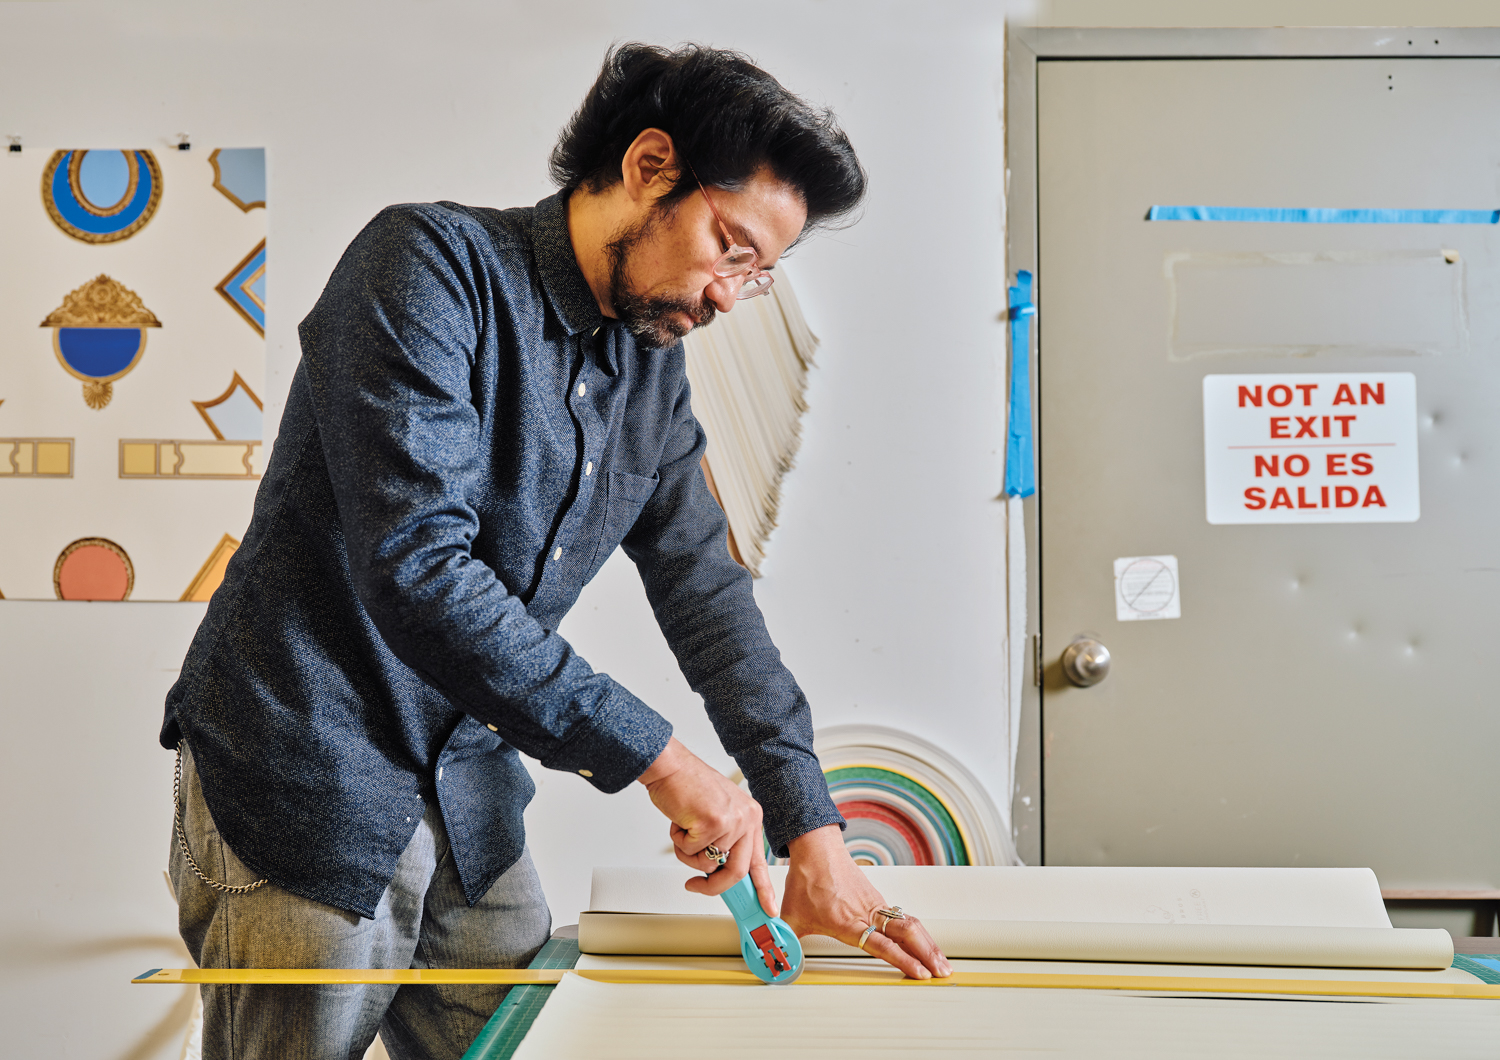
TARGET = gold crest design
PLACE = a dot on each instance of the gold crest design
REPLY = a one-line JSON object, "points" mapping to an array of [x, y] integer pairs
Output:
{"points": [[102, 303]]}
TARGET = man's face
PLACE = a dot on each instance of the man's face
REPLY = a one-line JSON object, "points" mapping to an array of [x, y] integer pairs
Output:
{"points": [[662, 281]]}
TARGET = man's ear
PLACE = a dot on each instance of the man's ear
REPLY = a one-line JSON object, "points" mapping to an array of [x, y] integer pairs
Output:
{"points": [[649, 168]]}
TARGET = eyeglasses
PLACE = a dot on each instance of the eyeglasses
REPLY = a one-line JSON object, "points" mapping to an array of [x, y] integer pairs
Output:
{"points": [[737, 260]]}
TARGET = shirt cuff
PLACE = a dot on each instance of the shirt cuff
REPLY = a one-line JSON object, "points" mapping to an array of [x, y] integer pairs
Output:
{"points": [[794, 797], [780, 839], [616, 745]]}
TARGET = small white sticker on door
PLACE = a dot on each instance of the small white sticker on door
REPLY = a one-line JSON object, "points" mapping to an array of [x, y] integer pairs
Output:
{"points": [[1293, 447], [1146, 588]]}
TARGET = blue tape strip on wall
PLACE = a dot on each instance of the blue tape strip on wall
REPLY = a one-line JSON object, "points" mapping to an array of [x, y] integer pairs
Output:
{"points": [[1020, 467], [1323, 217]]}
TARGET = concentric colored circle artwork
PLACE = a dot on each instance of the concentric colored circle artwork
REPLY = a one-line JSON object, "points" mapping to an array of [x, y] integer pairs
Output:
{"points": [[894, 819], [101, 196], [908, 802]]}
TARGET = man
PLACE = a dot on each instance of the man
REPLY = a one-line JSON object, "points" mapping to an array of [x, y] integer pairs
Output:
{"points": [[488, 403]]}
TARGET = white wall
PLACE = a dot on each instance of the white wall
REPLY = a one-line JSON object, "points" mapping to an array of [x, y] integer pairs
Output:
{"points": [[885, 586]]}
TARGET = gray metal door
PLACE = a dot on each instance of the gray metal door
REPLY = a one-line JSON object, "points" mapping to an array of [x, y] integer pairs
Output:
{"points": [[1326, 697]]}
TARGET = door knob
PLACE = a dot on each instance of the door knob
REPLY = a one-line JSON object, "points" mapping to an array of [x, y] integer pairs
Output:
{"points": [[1085, 662]]}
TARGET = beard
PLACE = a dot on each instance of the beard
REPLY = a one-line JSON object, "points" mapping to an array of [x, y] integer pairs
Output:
{"points": [[651, 319]]}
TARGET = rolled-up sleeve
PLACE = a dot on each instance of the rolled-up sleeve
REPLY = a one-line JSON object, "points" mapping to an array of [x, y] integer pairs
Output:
{"points": [[705, 606], [389, 353]]}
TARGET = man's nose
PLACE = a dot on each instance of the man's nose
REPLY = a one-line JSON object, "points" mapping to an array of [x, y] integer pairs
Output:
{"points": [[722, 292]]}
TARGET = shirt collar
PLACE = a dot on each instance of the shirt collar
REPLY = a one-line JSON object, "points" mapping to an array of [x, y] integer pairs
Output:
{"points": [[562, 279]]}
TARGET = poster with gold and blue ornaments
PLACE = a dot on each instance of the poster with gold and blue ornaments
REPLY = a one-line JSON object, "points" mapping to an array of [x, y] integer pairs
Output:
{"points": [[132, 364]]}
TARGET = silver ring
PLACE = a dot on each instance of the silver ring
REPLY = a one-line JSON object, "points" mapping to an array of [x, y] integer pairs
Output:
{"points": [[866, 936], [715, 854], [893, 913]]}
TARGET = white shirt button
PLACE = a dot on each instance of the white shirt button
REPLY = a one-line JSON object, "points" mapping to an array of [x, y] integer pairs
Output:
{"points": [[440, 772], [585, 773], [582, 390], [557, 554], [492, 728], [589, 468]]}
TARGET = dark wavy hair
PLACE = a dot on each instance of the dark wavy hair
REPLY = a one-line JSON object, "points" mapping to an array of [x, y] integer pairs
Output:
{"points": [[727, 118]]}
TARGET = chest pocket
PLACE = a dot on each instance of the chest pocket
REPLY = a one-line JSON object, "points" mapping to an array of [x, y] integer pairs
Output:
{"points": [[628, 494]]}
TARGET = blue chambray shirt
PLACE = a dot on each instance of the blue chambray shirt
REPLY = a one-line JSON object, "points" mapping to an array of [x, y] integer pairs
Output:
{"points": [[465, 442]]}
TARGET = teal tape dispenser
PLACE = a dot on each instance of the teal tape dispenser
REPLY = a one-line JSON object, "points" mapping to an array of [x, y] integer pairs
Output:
{"points": [[768, 945]]}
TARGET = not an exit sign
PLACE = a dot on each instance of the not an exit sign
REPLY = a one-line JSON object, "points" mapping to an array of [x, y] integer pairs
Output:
{"points": [[1293, 447]]}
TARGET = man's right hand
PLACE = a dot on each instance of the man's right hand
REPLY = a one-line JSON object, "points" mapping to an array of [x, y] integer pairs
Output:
{"points": [[707, 809]]}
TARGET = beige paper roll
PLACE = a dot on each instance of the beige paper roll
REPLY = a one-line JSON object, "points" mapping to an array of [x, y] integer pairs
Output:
{"points": [[1231, 944]]}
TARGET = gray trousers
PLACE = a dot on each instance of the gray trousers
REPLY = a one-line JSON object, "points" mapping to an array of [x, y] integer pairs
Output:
{"points": [[423, 921]]}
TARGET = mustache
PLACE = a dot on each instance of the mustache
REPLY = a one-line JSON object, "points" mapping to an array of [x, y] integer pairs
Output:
{"points": [[700, 312]]}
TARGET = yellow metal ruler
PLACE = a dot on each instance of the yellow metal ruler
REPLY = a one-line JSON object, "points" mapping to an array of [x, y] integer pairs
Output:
{"points": [[1025, 980]]}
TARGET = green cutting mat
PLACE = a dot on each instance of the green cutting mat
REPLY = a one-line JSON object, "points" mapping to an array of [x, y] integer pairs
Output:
{"points": [[1485, 966], [503, 1033]]}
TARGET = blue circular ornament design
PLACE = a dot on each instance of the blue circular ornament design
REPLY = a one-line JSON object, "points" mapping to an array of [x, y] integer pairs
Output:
{"points": [[70, 176]]}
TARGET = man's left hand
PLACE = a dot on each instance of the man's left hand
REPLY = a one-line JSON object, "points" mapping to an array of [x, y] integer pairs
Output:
{"points": [[827, 894]]}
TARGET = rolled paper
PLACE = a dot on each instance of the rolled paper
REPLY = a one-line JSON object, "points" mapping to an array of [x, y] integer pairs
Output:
{"points": [[660, 934]]}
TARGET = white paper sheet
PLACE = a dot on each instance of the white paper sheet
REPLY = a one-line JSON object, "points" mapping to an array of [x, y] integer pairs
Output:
{"points": [[586, 1021]]}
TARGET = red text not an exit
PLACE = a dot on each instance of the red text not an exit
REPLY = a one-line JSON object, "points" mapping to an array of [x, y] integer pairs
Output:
{"points": [[1280, 394]]}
